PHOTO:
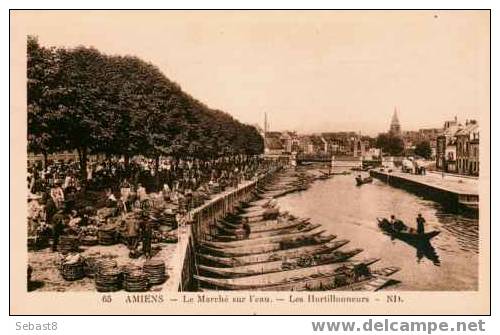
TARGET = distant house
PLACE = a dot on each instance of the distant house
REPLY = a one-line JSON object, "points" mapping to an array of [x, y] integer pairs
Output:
{"points": [[446, 147], [468, 149], [345, 144], [446, 153], [306, 145], [318, 144], [457, 148], [273, 144], [278, 143]]}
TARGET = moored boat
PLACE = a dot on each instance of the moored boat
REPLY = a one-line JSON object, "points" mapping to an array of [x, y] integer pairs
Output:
{"points": [[269, 247], [378, 279], [263, 240], [262, 223], [361, 181], [281, 265], [305, 227], [275, 255], [269, 226], [269, 280]]}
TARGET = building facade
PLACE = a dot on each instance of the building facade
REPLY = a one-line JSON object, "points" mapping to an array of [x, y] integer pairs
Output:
{"points": [[457, 148], [468, 149]]}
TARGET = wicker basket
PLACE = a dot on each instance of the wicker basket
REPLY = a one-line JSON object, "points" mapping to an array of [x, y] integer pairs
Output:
{"points": [[134, 279], [89, 240], [90, 265], [109, 280], [68, 243], [72, 271], [107, 236], [155, 270], [106, 264]]}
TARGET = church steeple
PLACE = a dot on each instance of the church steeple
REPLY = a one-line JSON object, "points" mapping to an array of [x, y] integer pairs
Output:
{"points": [[395, 126]]}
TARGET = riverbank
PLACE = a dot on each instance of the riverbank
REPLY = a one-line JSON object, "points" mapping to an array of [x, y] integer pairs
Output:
{"points": [[453, 191]]}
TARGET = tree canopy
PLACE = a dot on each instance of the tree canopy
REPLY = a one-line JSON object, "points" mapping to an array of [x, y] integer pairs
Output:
{"points": [[423, 149], [81, 99], [390, 144]]}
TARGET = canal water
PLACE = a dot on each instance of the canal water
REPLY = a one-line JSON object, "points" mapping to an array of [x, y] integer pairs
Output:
{"points": [[350, 212]]}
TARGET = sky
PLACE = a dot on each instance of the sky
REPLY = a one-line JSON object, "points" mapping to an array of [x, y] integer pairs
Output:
{"points": [[310, 71]]}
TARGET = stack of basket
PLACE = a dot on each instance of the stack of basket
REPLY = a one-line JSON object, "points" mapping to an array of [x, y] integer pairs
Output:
{"points": [[155, 270], [89, 240], [107, 235], [72, 270], [169, 221], [68, 243], [135, 280], [108, 277], [105, 264], [90, 265]]}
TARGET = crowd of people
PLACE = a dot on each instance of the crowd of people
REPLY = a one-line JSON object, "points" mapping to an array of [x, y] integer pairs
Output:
{"points": [[55, 192]]}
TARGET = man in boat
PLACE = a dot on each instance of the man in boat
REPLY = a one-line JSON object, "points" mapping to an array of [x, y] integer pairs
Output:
{"points": [[397, 224], [420, 224]]}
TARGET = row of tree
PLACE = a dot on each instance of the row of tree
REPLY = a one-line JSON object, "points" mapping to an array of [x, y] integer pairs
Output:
{"points": [[394, 146], [80, 99]]}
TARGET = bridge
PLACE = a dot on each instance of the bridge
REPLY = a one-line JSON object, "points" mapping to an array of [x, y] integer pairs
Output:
{"points": [[334, 161]]}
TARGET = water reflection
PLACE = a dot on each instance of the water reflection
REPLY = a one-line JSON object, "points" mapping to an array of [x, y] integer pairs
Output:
{"points": [[425, 249]]}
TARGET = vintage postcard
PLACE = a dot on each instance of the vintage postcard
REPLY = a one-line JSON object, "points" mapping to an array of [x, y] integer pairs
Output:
{"points": [[250, 162]]}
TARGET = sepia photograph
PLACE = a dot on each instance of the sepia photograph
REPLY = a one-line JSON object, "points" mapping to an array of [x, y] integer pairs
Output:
{"points": [[186, 157]]}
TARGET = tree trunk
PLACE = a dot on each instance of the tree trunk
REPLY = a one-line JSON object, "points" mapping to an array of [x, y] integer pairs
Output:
{"points": [[157, 173], [45, 160], [82, 155], [127, 161]]}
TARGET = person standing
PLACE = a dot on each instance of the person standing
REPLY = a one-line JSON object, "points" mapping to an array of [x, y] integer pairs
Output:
{"points": [[146, 232], [57, 228], [420, 224], [57, 195], [132, 234]]}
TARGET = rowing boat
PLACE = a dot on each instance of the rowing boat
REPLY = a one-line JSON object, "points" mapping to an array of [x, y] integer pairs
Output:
{"points": [[269, 247], [260, 212], [374, 282], [262, 223], [254, 209], [281, 265], [266, 214], [343, 173], [269, 225], [262, 240], [360, 181], [379, 279], [281, 192], [409, 235], [347, 281], [275, 255], [297, 228], [268, 280]]}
